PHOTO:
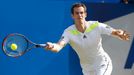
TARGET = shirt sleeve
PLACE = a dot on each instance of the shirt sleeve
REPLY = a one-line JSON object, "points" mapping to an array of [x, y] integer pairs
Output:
{"points": [[105, 29], [65, 37]]}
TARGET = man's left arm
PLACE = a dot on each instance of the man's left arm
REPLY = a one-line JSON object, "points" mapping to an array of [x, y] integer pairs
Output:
{"points": [[121, 34]]}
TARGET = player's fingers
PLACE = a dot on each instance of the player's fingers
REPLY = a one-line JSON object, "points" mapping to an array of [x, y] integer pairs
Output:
{"points": [[49, 46], [120, 32], [126, 35]]}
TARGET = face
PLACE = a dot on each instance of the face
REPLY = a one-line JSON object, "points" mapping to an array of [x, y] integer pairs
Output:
{"points": [[79, 14]]}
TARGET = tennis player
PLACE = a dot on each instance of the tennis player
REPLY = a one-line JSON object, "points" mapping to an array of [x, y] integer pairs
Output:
{"points": [[85, 38]]}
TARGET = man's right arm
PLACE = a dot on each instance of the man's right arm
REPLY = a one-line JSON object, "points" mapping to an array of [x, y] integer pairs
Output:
{"points": [[55, 47]]}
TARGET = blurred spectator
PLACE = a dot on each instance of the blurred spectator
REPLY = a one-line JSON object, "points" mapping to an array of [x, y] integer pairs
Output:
{"points": [[127, 1]]}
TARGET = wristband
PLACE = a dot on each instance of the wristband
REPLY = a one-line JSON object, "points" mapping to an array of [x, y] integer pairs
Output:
{"points": [[56, 47]]}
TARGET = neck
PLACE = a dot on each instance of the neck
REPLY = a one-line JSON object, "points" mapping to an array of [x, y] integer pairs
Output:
{"points": [[81, 26]]}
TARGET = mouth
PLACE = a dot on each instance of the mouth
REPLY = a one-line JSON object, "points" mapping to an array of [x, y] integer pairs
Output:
{"points": [[80, 18]]}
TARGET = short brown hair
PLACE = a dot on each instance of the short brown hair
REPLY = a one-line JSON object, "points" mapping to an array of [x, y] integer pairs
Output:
{"points": [[78, 5]]}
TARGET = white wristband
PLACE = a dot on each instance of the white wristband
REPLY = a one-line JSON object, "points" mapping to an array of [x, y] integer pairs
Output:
{"points": [[56, 47]]}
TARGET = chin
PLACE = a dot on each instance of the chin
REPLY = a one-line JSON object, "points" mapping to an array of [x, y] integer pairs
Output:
{"points": [[81, 20]]}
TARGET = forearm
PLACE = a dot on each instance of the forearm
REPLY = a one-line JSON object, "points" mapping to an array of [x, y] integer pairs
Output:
{"points": [[55, 47]]}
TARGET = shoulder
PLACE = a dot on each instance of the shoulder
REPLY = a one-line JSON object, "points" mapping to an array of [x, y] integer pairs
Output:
{"points": [[92, 22], [99, 24], [72, 27], [95, 22]]}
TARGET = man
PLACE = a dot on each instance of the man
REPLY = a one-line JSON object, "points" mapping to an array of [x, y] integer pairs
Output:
{"points": [[85, 38]]}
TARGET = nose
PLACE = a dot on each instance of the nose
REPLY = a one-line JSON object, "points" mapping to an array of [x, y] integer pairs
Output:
{"points": [[79, 14]]}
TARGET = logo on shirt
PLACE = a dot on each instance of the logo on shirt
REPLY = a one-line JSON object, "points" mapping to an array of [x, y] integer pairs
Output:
{"points": [[61, 38], [84, 36]]}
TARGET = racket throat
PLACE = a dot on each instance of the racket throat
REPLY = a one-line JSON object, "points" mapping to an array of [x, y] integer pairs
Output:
{"points": [[40, 45], [37, 46]]}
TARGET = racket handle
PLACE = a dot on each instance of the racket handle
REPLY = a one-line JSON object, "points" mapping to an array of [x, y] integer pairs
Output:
{"points": [[40, 45]]}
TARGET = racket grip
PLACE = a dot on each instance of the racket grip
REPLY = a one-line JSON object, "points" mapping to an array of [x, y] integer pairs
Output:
{"points": [[41, 45]]}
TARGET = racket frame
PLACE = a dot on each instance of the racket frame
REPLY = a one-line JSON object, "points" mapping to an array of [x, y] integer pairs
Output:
{"points": [[28, 47]]}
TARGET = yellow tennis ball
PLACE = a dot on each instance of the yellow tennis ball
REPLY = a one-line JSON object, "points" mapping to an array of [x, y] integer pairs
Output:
{"points": [[13, 46]]}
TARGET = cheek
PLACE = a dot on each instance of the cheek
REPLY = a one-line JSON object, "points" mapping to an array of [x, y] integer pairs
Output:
{"points": [[74, 16], [84, 15]]}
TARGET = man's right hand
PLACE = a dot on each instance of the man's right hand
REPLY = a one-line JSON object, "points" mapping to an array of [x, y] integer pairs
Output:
{"points": [[49, 46]]}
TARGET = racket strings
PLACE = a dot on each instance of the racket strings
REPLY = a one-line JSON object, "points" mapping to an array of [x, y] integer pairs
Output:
{"points": [[20, 42]]}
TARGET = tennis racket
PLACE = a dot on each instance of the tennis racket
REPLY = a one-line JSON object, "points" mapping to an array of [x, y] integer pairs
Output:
{"points": [[16, 45]]}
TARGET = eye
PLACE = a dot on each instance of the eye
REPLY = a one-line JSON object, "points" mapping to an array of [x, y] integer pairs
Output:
{"points": [[79, 13]]}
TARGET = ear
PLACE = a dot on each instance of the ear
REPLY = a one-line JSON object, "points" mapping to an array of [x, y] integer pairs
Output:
{"points": [[72, 15]]}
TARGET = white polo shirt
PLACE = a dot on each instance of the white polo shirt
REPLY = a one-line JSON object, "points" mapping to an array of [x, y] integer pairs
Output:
{"points": [[87, 45]]}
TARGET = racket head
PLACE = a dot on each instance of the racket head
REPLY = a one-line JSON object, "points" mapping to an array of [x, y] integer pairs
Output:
{"points": [[19, 40]]}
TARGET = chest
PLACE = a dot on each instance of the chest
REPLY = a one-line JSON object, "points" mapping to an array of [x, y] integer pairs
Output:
{"points": [[86, 39]]}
